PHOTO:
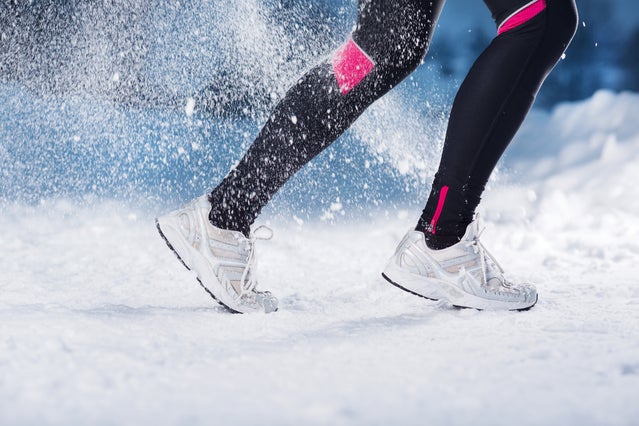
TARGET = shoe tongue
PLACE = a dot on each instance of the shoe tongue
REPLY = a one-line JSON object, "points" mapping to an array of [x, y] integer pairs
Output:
{"points": [[262, 232], [472, 231], [494, 282]]}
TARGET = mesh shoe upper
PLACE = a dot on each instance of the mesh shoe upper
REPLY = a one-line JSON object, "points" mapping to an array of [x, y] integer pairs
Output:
{"points": [[465, 274], [224, 261]]}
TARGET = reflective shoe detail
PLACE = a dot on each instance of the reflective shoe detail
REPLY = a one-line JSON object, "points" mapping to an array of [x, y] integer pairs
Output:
{"points": [[465, 274], [224, 261]]}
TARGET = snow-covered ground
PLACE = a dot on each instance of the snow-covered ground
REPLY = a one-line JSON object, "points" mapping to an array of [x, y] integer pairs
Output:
{"points": [[99, 324]]}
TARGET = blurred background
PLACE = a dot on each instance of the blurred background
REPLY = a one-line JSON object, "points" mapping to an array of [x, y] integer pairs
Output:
{"points": [[159, 99], [148, 52]]}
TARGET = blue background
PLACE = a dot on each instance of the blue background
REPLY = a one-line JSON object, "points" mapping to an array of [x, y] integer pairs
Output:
{"points": [[92, 98]]}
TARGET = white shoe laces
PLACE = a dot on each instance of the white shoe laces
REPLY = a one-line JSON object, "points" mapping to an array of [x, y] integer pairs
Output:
{"points": [[480, 249], [262, 232]]}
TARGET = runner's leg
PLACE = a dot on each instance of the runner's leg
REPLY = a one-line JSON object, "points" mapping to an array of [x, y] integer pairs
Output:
{"points": [[388, 43], [490, 106]]}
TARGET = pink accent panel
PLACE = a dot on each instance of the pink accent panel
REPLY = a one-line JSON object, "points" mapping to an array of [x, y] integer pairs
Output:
{"points": [[351, 65], [523, 16], [438, 210]]}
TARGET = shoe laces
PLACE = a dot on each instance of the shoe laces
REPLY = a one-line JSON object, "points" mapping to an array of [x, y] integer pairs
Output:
{"points": [[248, 280], [484, 254]]}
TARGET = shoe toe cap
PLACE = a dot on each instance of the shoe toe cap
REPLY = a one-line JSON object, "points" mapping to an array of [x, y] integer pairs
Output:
{"points": [[267, 301]]}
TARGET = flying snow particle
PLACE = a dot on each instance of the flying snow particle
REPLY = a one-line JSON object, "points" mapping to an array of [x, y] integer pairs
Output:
{"points": [[335, 208], [189, 108]]}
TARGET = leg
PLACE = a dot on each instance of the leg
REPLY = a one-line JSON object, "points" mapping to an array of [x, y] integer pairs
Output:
{"points": [[389, 41], [211, 234], [443, 257], [491, 105]]}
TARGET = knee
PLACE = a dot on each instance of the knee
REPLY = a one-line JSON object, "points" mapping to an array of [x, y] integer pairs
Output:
{"points": [[553, 21], [563, 20], [408, 55], [556, 18], [389, 41], [352, 63], [399, 48]]}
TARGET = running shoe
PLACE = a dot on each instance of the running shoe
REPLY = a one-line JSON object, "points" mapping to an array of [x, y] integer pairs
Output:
{"points": [[224, 261], [465, 274]]}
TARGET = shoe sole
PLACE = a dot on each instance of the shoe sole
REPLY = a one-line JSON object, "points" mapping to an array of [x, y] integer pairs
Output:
{"points": [[526, 308], [411, 283], [407, 290], [231, 310], [456, 305]]}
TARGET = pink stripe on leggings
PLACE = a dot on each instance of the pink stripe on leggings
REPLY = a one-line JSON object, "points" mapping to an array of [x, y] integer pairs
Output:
{"points": [[438, 211], [522, 15], [350, 65]]}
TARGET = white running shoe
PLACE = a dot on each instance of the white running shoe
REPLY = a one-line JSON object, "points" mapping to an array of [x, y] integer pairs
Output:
{"points": [[465, 274], [224, 261]]}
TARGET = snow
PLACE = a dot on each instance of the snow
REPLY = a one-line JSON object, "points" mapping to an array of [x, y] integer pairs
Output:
{"points": [[100, 324]]}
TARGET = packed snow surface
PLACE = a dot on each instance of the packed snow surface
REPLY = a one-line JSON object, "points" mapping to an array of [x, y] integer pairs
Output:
{"points": [[100, 324]]}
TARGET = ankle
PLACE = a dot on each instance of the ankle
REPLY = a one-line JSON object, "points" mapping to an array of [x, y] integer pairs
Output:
{"points": [[445, 235], [440, 242], [220, 218]]}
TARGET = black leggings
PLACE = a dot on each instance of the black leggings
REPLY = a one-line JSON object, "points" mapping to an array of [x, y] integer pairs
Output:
{"points": [[389, 41]]}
